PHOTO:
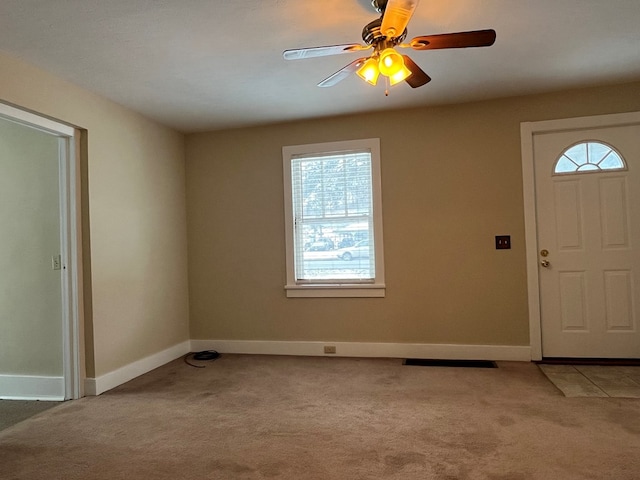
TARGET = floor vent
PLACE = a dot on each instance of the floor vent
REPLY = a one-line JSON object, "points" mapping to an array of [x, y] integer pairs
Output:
{"points": [[422, 362]]}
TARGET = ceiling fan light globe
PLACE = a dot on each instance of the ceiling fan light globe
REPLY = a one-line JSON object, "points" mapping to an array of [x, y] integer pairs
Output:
{"points": [[399, 76], [369, 71], [391, 62]]}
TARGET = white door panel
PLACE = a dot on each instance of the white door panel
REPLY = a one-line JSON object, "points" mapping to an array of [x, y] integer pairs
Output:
{"points": [[589, 222]]}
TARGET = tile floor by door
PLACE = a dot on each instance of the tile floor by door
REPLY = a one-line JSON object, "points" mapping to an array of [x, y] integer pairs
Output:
{"points": [[595, 380]]}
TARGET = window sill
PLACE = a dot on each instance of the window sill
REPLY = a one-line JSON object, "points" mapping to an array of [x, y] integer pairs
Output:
{"points": [[335, 290]]}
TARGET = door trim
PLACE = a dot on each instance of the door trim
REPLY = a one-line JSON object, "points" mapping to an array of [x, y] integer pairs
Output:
{"points": [[71, 242], [527, 132]]}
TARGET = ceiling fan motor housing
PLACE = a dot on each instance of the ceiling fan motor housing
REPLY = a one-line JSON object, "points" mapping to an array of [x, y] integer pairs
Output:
{"points": [[379, 5], [371, 34]]}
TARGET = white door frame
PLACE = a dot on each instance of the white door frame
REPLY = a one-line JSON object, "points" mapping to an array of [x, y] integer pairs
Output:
{"points": [[70, 241], [527, 132]]}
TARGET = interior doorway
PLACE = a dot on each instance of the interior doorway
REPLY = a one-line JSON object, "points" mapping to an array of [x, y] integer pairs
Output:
{"points": [[40, 288], [582, 188]]}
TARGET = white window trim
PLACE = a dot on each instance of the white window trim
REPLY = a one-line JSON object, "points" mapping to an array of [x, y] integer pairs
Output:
{"points": [[375, 289]]}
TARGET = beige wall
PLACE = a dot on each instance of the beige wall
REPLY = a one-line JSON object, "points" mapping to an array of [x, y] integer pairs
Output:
{"points": [[451, 182], [30, 291], [137, 299]]}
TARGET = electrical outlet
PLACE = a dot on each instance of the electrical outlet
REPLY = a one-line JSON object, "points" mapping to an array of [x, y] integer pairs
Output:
{"points": [[503, 242], [329, 349], [56, 262]]}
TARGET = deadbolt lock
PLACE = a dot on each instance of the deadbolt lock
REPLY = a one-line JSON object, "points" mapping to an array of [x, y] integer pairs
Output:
{"points": [[544, 253]]}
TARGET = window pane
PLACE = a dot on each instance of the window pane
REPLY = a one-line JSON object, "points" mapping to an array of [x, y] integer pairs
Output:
{"points": [[611, 161], [597, 151], [332, 203], [588, 167], [578, 153], [565, 165], [589, 157], [337, 250]]}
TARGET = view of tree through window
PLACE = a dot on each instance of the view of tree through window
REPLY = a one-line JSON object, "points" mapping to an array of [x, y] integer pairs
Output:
{"points": [[333, 217]]}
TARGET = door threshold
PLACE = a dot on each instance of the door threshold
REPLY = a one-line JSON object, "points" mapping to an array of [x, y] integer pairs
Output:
{"points": [[633, 362]]}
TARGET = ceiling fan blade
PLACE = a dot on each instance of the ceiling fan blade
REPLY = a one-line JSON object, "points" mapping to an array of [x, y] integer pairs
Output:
{"points": [[397, 14], [299, 53], [418, 76], [342, 73], [478, 38]]}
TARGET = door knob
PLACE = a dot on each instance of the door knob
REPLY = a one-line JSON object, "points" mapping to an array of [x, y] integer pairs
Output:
{"points": [[545, 263]]}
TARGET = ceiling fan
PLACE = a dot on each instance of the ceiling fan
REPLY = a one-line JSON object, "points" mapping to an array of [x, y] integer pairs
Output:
{"points": [[383, 35]]}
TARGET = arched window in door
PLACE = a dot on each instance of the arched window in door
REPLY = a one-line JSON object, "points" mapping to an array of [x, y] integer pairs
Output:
{"points": [[589, 156]]}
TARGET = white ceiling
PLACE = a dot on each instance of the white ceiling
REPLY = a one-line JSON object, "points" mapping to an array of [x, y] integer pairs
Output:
{"points": [[200, 65]]}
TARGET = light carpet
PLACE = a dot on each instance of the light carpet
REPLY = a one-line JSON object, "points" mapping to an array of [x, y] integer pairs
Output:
{"points": [[286, 418]]}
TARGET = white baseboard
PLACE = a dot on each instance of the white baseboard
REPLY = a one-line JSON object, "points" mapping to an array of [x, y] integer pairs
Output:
{"points": [[357, 349], [96, 386], [28, 387]]}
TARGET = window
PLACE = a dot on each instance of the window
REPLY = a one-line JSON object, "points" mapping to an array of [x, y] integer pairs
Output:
{"points": [[589, 157], [333, 218]]}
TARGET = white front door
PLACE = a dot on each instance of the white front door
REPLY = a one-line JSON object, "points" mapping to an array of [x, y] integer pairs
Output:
{"points": [[587, 191]]}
